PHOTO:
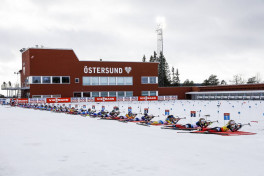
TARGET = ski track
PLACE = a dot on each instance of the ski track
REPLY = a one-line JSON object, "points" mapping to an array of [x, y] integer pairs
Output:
{"points": [[41, 143]]}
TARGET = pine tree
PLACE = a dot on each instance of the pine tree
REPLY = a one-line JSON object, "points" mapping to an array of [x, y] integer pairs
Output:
{"points": [[164, 72], [188, 83], [155, 57], [212, 80], [151, 59], [144, 59], [175, 77]]}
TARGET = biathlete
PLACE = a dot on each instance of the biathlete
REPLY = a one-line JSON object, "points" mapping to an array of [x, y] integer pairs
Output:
{"points": [[230, 126], [201, 124]]}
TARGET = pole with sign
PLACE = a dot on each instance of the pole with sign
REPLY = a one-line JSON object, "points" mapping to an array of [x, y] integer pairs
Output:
{"points": [[226, 117], [167, 112], [145, 110], [193, 113], [129, 109]]}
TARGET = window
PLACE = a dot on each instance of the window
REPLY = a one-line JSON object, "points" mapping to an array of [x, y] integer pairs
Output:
{"points": [[128, 80], [152, 80], [36, 96], [86, 94], [86, 81], [144, 80], [129, 94], [46, 80], [120, 80], [56, 79], [112, 80], [36, 80], [76, 80], [112, 94], [46, 96], [144, 93], [77, 94], [95, 94], [120, 94], [65, 80], [103, 80], [95, 80], [104, 94], [152, 93]]}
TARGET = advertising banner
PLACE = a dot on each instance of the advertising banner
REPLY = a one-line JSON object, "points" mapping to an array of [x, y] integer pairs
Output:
{"points": [[104, 99]]}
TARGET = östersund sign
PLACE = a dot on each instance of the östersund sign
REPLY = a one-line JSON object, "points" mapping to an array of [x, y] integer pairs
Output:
{"points": [[106, 70]]}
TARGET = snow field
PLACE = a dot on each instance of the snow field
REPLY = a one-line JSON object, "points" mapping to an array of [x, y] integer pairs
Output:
{"points": [[42, 143]]}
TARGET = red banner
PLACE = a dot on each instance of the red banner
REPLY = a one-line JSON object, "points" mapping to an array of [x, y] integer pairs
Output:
{"points": [[58, 100], [63, 100], [142, 98], [149, 98], [101, 99], [152, 98]]}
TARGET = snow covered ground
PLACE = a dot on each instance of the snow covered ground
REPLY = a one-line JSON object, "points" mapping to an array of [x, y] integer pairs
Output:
{"points": [[41, 143]]}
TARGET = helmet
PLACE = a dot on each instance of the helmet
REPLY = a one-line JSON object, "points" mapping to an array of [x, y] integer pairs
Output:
{"points": [[232, 122], [202, 120]]}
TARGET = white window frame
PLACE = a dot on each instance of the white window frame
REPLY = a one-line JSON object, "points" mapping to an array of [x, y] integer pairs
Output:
{"points": [[69, 80]]}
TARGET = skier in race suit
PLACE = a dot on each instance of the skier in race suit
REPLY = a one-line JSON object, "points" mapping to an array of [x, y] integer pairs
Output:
{"points": [[231, 125], [171, 119], [202, 123], [145, 118]]}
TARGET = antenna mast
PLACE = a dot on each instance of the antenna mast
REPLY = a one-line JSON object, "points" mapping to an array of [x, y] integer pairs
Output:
{"points": [[159, 31]]}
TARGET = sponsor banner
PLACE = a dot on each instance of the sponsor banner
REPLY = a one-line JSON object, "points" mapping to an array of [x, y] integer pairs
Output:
{"points": [[149, 98], [51, 100], [134, 98], [63, 100], [120, 99], [104, 99], [75, 100], [161, 98], [174, 97], [22, 100], [126, 98], [152, 98], [41, 100], [167, 98], [83, 99], [90, 99], [58, 100], [33, 100], [142, 98]]}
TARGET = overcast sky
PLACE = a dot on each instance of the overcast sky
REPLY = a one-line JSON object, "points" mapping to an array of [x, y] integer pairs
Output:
{"points": [[202, 37]]}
